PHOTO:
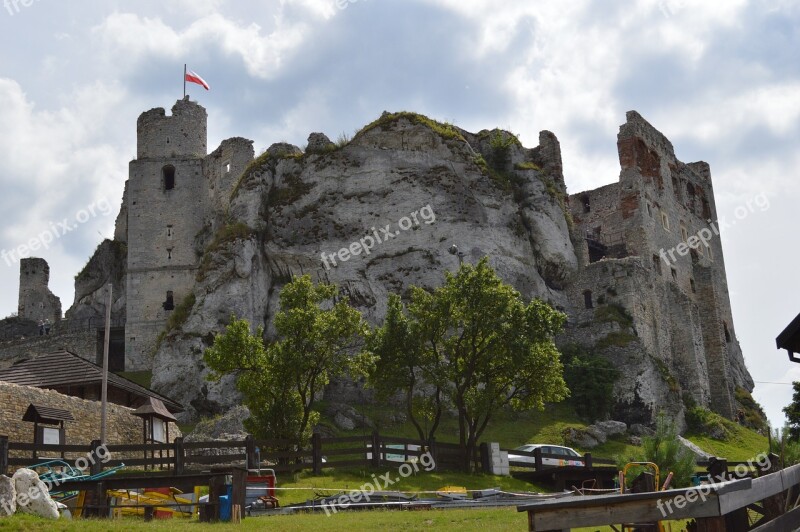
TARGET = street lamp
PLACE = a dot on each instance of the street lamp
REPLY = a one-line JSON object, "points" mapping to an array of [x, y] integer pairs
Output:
{"points": [[460, 254]]}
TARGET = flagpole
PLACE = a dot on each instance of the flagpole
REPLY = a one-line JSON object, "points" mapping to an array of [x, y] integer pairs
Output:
{"points": [[184, 81]]}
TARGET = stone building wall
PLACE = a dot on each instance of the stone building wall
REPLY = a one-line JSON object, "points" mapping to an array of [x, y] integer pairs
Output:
{"points": [[83, 343], [122, 427]]}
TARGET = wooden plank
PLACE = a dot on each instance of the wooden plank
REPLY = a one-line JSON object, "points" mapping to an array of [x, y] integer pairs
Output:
{"points": [[349, 463], [347, 439], [761, 488], [54, 449], [790, 476], [788, 521], [219, 459], [640, 511]]}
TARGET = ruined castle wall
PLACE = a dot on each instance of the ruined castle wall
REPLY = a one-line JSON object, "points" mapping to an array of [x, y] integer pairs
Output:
{"points": [[36, 301], [223, 167], [82, 343]]}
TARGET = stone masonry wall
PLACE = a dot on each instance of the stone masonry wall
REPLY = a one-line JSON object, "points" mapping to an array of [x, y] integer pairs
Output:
{"points": [[36, 301], [82, 343]]}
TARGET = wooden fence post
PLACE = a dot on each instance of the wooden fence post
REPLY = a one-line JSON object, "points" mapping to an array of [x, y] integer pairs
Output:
{"points": [[537, 459], [3, 455], [179, 456], [96, 465], [250, 449], [376, 449], [587, 460], [486, 459], [238, 490], [316, 452], [434, 453]]}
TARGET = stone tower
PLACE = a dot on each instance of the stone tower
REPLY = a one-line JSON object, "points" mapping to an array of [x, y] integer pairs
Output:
{"points": [[36, 301], [650, 244], [167, 203]]}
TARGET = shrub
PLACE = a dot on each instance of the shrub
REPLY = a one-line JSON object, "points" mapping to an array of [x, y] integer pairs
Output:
{"points": [[590, 379], [664, 450]]}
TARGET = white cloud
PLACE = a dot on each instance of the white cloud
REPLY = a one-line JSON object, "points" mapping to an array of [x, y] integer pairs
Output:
{"points": [[141, 38]]}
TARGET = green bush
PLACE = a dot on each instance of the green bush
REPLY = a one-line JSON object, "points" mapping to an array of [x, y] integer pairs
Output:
{"points": [[664, 450], [704, 421], [590, 379]]}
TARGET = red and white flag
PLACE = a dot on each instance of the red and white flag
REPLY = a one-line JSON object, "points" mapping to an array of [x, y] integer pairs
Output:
{"points": [[192, 77]]}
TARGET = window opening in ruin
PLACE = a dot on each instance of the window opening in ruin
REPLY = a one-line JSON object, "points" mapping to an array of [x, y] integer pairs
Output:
{"points": [[169, 177], [587, 206], [727, 333], [692, 285], [710, 252], [690, 196], [169, 254], [587, 299], [649, 210], [227, 167], [665, 220], [169, 232], [674, 274], [169, 304], [706, 209], [684, 232], [167, 140], [694, 255], [657, 264], [676, 188]]}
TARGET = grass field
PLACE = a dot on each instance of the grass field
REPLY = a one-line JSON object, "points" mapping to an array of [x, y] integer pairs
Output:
{"points": [[439, 520]]}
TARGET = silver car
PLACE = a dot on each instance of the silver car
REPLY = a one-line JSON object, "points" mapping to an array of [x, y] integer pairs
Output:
{"points": [[566, 455]]}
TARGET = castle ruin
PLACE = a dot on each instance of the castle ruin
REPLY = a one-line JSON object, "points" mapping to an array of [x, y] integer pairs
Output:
{"points": [[177, 247]]}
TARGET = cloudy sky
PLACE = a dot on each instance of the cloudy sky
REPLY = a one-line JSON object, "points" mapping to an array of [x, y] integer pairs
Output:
{"points": [[720, 78]]}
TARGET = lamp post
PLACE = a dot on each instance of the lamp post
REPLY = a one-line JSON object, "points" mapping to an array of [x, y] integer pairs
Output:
{"points": [[460, 254]]}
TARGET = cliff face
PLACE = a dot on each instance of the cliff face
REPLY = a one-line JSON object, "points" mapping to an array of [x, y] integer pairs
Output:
{"points": [[395, 199]]}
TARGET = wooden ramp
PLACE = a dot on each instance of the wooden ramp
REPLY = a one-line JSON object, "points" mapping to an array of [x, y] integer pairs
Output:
{"points": [[716, 507]]}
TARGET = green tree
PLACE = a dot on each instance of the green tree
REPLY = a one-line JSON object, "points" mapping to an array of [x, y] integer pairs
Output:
{"points": [[481, 347], [665, 450], [590, 379], [400, 364], [280, 383], [792, 412]]}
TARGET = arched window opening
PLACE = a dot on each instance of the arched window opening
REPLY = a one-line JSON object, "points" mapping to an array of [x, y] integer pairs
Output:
{"points": [[169, 304], [587, 205], [168, 173], [587, 299], [726, 331]]}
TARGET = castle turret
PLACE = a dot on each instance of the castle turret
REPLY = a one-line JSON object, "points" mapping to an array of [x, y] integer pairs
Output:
{"points": [[166, 203]]}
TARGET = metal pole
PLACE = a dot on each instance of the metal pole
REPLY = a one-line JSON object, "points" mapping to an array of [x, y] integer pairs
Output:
{"points": [[104, 388], [184, 81]]}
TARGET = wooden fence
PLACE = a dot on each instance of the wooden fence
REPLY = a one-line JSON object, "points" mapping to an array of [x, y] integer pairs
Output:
{"points": [[372, 451]]}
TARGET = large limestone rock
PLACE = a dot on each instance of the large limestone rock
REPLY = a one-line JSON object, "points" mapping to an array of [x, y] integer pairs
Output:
{"points": [[33, 496], [8, 497], [401, 171]]}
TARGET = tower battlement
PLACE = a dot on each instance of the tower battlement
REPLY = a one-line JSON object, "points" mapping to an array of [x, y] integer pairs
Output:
{"points": [[182, 134]]}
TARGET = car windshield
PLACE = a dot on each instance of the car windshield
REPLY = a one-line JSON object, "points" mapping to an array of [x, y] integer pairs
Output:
{"points": [[526, 448]]}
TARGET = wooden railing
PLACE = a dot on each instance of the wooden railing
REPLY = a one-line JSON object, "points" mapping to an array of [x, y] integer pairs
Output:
{"points": [[283, 456]]}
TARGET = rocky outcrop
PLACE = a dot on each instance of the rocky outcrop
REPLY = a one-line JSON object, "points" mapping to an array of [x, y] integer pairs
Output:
{"points": [[595, 434], [422, 186]]}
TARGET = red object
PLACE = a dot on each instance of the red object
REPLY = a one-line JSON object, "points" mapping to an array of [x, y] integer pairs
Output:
{"points": [[269, 480], [192, 77], [160, 514]]}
